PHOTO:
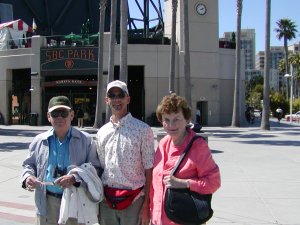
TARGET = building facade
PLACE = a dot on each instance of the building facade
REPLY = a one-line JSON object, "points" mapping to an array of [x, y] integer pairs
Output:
{"points": [[247, 44], [72, 71], [294, 48], [276, 54]]}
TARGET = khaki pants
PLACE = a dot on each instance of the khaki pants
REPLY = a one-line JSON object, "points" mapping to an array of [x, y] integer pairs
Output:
{"points": [[128, 216], [53, 207], [80, 122]]}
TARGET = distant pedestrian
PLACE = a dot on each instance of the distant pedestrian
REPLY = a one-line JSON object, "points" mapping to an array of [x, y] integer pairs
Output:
{"points": [[198, 116], [80, 115], [1, 118], [247, 114], [279, 113]]}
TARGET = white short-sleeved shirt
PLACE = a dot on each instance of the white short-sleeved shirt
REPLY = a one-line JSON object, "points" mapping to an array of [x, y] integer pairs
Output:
{"points": [[125, 150]]}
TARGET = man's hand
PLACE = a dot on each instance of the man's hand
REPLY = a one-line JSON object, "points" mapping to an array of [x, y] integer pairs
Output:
{"points": [[65, 181], [31, 183]]}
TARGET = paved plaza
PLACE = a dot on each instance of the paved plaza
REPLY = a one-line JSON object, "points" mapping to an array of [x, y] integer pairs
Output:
{"points": [[260, 174]]}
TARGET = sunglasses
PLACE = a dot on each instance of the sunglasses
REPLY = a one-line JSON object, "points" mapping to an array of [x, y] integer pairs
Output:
{"points": [[61, 113], [116, 96]]}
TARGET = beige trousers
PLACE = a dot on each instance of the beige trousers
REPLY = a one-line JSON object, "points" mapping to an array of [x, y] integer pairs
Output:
{"points": [[53, 206]]}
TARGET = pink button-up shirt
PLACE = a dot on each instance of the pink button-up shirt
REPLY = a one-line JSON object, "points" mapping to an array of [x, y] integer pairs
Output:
{"points": [[198, 167]]}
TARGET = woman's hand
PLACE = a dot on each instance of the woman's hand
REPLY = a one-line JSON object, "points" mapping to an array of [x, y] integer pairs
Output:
{"points": [[173, 182]]}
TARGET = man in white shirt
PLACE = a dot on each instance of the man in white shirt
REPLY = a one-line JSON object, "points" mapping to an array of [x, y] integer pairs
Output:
{"points": [[126, 153]]}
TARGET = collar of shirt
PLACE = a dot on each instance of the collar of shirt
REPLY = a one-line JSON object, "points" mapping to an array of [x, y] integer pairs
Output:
{"points": [[122, 121]]}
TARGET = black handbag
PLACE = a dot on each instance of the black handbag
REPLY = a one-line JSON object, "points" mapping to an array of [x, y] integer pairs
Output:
{"points": [[187, 207]]}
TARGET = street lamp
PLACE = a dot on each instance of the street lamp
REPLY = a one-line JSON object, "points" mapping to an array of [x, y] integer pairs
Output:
{"points": [[291, 99]]}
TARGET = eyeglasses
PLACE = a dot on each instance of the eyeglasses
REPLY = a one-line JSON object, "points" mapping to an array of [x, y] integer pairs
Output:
{"points": [[57, 113], [117, 95]]}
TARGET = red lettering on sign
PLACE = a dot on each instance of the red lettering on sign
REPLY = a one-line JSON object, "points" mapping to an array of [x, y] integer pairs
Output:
{"points": [[70, 53], [91, 54]]}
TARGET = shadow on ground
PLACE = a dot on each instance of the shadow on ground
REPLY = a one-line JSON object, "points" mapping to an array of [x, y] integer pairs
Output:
{"points": [[13, 146], [20, 133]]}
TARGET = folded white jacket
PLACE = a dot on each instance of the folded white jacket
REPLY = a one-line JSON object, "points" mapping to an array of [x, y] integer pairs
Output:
{"points": [[82, 202]]}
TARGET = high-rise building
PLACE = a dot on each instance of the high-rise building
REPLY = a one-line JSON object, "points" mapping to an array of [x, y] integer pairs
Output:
{"points": [[276, 54], [294, 48], [247, 44]]}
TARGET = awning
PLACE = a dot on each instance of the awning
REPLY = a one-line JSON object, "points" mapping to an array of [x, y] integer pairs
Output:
{"points": [[17, 25]]}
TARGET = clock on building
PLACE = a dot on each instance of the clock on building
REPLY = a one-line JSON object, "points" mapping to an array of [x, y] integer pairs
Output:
{"points": [[200, 8]]}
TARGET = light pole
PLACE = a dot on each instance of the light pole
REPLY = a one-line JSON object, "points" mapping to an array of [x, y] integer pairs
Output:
{"points": [[291, 99]]}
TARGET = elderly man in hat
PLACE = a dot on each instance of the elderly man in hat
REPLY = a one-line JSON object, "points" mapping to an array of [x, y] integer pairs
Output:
{"points": [[51, 154], [126, 152]]}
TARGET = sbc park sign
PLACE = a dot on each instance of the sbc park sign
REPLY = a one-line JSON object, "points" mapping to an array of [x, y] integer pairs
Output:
{"points": [[68, 59]]}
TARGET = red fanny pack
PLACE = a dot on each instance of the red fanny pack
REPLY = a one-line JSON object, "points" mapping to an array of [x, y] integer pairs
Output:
{"points": [[120, 198]]}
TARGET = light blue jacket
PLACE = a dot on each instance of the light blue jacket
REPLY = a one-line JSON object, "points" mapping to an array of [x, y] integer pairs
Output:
{"points": [[82, 149]]}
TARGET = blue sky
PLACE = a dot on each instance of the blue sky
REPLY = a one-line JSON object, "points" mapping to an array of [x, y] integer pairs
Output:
{"points": [[253, 17]]}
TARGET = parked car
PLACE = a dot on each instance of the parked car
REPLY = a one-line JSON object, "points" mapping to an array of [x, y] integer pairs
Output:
{"points": [[295, 117]]}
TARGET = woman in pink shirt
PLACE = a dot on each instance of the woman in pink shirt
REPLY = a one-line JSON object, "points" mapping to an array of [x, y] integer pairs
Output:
{"points": [[198, 171]]}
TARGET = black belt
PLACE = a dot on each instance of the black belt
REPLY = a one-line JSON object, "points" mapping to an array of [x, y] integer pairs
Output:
{"points": [[56, 195]]}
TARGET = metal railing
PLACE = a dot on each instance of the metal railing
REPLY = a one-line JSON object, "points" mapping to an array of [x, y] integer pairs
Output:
{"points": [[15, 43], [72, 40]]}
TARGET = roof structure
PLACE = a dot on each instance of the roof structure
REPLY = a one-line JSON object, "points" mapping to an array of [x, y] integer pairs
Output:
{"points": [[17, 25]]}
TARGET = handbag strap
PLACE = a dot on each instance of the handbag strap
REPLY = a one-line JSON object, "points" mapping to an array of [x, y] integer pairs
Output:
{"points": [[187, 148]]}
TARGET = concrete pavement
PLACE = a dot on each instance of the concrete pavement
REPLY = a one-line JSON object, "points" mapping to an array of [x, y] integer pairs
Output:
{"points": [[260, 174]]}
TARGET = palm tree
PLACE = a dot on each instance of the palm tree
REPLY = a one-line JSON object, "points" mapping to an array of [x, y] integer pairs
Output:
{"points": [[236, 101], [111, 58], [281, 69], [294, 59], [124, 41], [265, 120], [98, 115], [281, 66], [187, 63], [286, 30], [173, 47]]}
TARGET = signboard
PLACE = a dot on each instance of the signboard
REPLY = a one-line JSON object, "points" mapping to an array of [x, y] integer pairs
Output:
{"points": [[69, 59], [69, 82]]}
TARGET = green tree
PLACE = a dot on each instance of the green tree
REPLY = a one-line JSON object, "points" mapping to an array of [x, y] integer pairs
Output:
{"points": [[281, 66], [296, 105], [250, 85], [98, 114], [278, 100], [294, 59], [255, 100], [236, 103], [287, 30], [265, 120]]}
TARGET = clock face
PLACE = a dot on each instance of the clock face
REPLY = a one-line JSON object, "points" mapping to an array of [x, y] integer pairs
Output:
{"points": [[200, 8]]}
